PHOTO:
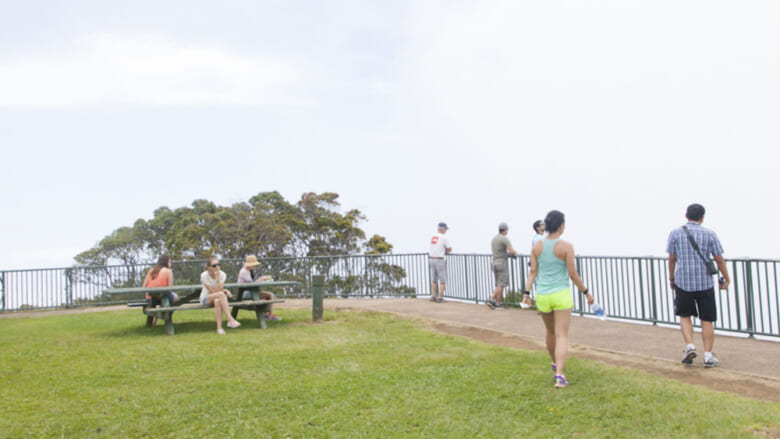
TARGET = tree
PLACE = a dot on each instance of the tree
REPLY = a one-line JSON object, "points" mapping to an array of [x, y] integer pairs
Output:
{"points": [[267, 226]]}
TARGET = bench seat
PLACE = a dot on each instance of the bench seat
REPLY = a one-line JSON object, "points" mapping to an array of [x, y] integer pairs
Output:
{"points": [[260, 307]]}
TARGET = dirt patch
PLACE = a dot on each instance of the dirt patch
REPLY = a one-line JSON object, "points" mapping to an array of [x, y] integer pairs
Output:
{"points": [[717, 379]]}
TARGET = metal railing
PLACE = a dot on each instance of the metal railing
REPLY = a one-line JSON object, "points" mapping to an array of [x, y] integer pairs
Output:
{"points": [[630, 288]]}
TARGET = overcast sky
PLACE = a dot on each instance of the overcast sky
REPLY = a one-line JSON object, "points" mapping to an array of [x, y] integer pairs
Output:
{"points": [[618, 113]]}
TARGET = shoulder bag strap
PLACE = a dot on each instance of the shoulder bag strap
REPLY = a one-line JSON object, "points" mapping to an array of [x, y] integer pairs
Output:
{"points": [[693, 243]]}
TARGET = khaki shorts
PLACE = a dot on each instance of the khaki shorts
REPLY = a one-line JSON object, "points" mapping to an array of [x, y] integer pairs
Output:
{"points": [[438, 269], [501, 273]]}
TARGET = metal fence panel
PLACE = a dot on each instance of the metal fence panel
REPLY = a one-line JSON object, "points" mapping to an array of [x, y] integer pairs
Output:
{"points": [[629, 288]]}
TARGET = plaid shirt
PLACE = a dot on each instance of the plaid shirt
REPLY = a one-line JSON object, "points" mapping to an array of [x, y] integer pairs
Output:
{"points": [[690, 272]]}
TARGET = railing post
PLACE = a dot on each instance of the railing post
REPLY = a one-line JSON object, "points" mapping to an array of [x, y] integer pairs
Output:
{"points": [[69, 288], [749, 300], [317, 284], [476, 286], [641, 288], [735, 282], [653, 293], [579, 297], [2, 288]]}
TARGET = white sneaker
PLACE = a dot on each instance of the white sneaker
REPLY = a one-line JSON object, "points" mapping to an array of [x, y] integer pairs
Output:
{"points": [[690, 354], [711, 361]]}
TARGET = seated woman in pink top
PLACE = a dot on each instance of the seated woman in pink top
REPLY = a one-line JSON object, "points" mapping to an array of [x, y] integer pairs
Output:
{"points": [[160, 276]]}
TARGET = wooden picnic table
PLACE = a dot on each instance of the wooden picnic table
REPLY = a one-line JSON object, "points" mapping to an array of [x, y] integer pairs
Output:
{"points": [[237, 302]]}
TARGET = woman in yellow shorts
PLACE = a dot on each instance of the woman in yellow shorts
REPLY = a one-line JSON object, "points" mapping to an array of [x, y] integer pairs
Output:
{"points": [[552, 265]]}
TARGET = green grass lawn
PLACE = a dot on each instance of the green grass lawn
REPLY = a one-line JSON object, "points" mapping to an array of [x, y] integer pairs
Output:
{"points": [[355, 375]]}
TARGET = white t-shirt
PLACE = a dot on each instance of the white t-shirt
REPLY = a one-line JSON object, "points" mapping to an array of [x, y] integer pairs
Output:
{"points": [[439, 246], [537, 237], [206, 279]]}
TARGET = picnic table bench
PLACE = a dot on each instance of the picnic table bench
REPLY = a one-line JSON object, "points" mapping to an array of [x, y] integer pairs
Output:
{"points": [[190, 301]]}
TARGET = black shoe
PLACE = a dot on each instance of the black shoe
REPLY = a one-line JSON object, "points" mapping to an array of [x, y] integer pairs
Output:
{"points": [[491, 304]]}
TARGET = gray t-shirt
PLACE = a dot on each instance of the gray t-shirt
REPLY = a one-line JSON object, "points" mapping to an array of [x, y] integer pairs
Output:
{"points": [[499, 245]]}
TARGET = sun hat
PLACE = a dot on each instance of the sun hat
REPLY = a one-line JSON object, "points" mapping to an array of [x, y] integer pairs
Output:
{"points": [[251, 261]]}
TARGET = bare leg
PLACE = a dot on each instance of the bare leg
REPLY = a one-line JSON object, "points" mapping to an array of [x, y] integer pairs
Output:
{"points": [[498, 294], [707, 335], [218, 316], [442, 287], [562, 320], [224, 305], [433, 290], [267, 295], [549, 337], [686, 326]]}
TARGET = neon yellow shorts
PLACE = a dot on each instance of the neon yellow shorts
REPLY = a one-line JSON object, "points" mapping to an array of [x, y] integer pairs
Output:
{"points": [[558, 301]]}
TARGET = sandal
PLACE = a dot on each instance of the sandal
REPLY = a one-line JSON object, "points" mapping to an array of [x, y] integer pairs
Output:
{"points": [[221, 331], [234, 324]]}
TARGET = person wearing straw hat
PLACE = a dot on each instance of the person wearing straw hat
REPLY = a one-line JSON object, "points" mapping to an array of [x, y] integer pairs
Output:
{"points": [[245, 277]]}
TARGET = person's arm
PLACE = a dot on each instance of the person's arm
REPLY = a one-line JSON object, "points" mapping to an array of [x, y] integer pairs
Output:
{"points": [[572, 268], [535, 252], [448, 250], [221, 284], [672, 265], [263, 278], [169, 273], [724, 271], [146, 279], [509, 248]]}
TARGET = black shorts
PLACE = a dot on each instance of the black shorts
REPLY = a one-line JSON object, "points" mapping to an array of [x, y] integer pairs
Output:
{"points": [[699, 304]]}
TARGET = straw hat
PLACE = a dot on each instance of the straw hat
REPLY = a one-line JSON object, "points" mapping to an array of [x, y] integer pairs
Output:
{"points": [[251, 261]]}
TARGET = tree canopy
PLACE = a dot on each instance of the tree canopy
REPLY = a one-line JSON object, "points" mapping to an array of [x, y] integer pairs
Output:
{"points": [[267, 226]]}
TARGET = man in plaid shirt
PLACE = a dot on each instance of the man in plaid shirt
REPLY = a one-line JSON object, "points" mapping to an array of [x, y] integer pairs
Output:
{"points": [[694, 291]]}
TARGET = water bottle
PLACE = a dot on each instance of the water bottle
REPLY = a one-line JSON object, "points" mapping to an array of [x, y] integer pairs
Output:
{"points": [[598, 310]]}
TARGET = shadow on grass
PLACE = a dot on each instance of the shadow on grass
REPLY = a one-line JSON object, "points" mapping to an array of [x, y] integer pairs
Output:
{"points": [[190, 327]]}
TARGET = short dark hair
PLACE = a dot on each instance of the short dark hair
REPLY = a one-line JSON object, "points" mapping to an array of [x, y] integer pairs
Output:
{"points": [[695, 212], [554, 220], [537, 223]]}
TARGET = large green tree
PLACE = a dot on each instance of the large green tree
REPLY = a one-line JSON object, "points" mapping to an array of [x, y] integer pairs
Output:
{"points": [[267, 226]]}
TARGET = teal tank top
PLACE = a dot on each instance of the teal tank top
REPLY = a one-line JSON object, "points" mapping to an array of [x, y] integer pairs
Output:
{"points": [[552, 275]]}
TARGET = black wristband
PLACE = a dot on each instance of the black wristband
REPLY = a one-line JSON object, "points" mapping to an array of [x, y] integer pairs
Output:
{"points": [[526, 293], [585, 291]]}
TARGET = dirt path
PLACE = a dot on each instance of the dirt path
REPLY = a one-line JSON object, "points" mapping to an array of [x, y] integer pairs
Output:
{"points": [[750, 368]]}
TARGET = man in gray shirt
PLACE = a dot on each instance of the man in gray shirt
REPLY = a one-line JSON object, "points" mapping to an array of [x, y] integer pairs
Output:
{"points": [[501, 249]]}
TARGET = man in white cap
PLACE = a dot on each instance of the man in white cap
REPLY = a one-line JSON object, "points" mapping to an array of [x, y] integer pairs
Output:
{"points": [[501, 249], [437, 264]]}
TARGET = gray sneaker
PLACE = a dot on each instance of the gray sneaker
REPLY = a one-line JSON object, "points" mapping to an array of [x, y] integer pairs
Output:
{"points": [[711, 362], [690, 354]]}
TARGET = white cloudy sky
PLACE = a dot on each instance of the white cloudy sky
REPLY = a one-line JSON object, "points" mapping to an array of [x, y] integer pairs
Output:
{"points": [[619, 113]]}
